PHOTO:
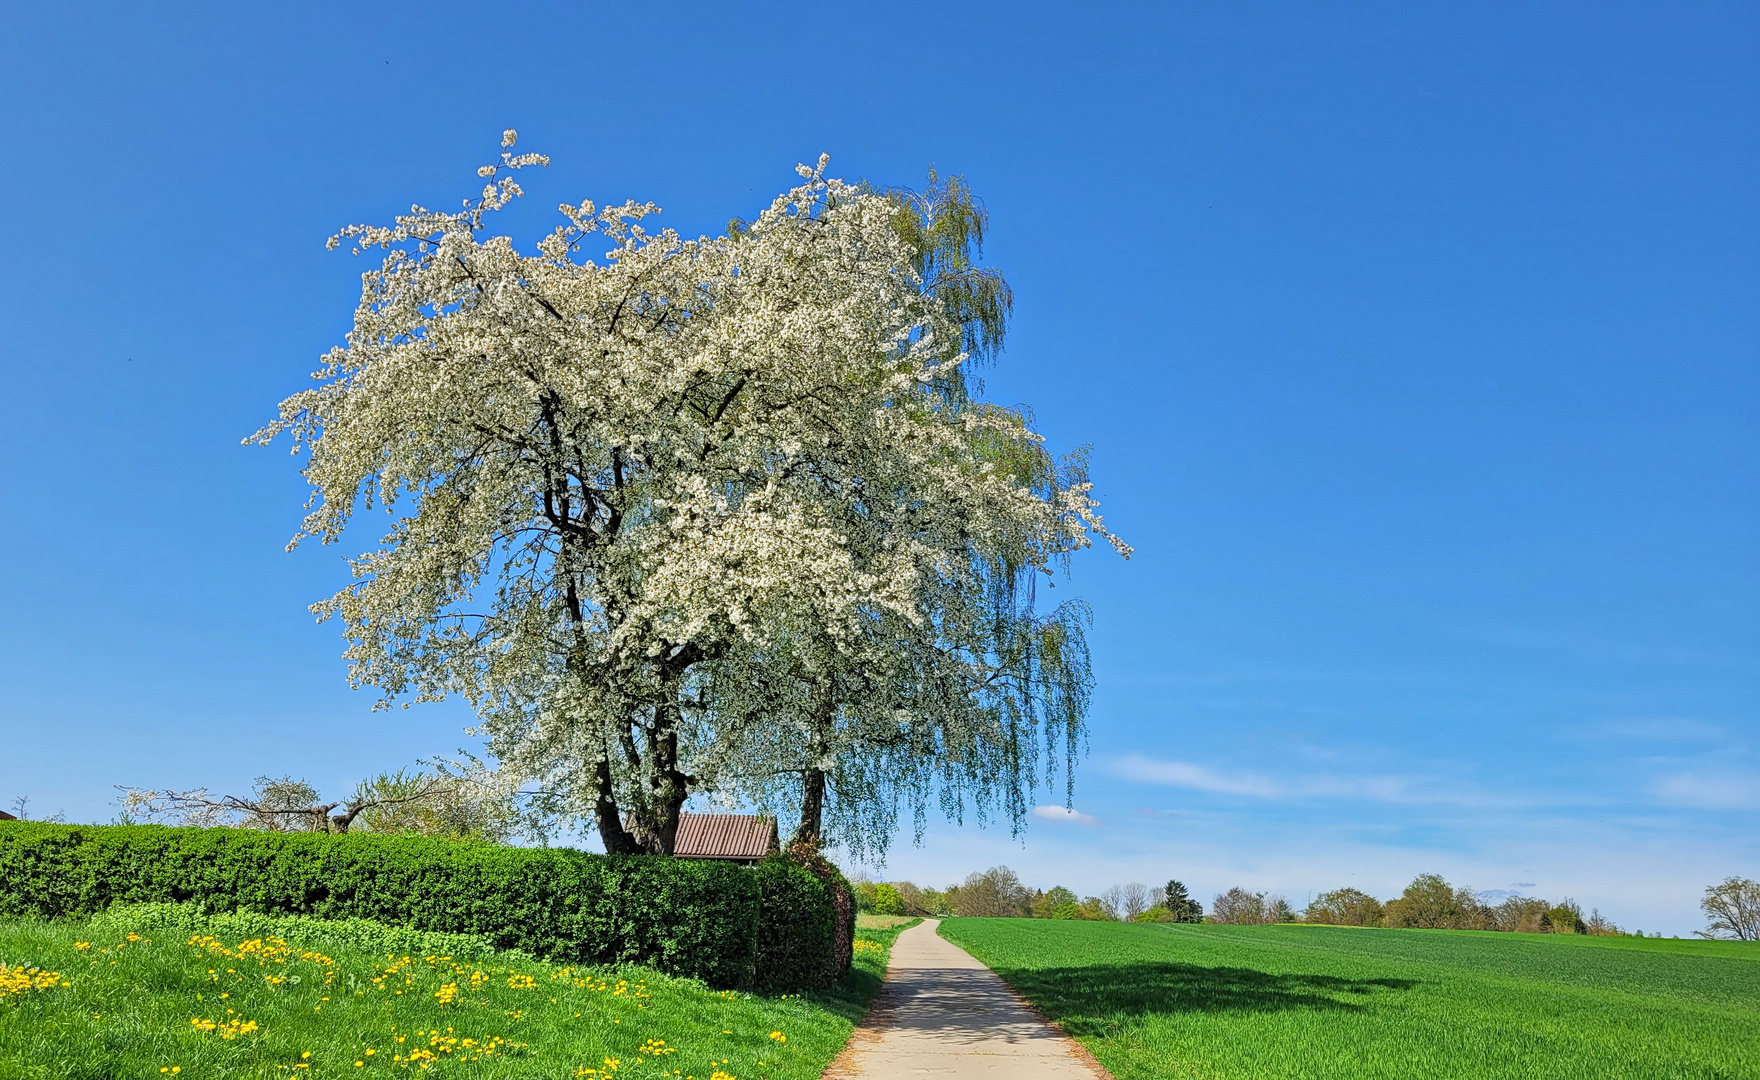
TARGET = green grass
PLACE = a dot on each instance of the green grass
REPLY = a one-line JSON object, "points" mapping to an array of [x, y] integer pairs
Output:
{"points": [[1229, 1002], [322, 1004]]}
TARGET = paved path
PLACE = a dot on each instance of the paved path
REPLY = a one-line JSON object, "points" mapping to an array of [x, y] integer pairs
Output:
{"points": [[943, 1014]]}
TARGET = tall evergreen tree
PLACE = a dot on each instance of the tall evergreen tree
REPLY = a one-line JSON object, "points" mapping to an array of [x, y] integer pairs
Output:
{"points": [[1181, 905]]}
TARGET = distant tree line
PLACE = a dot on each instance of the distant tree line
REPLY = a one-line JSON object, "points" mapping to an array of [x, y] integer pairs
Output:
{"points": [[999, 893], [1429, 902]]}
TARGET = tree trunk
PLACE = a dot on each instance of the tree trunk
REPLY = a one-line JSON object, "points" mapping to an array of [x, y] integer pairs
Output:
{"points": [[811, 829], [656, 824], [612, 834], [671, 787], [808, 833]]}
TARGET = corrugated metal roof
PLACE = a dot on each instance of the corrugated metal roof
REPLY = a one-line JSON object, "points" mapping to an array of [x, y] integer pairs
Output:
{"points": [[725, 836]]}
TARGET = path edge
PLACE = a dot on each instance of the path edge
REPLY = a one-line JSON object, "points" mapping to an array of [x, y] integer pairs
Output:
{"points": [[1077, 1050], [875, 1021]]}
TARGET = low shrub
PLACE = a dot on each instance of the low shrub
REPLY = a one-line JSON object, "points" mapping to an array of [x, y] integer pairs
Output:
{"points": [[887, 901], [1566, 918], [709, 920], [1089, 910]]}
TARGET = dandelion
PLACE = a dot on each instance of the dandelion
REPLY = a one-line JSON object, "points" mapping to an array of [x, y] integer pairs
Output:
{"points": [[19, 980], [227, 1029]]}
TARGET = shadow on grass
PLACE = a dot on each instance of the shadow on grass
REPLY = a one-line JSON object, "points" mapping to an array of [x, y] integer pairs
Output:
{"points": [[1089, 1000]]}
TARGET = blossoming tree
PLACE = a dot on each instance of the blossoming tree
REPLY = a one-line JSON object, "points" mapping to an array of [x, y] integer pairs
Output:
{"points": [[699, 513]]}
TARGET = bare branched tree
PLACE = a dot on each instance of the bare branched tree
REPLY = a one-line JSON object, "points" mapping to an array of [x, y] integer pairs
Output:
{"points": [[277, 804], [1734, 910], [993, 893], [21, 811], [458, 804], [1239, 907], [1134, 899]]}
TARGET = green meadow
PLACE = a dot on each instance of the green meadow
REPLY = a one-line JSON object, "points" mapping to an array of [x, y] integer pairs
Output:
{"points": [[95, 1000], [1296, 1001]]}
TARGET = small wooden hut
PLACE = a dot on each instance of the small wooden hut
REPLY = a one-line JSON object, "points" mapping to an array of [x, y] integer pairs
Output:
{"points": [[740, 838]]}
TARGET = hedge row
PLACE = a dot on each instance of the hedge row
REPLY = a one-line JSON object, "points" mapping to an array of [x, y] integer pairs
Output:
{"points": [[714, 921], [795, 942]]}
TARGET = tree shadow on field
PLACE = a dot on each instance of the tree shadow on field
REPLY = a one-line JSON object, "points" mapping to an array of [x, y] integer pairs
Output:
{"points": [[1089, 1000]]}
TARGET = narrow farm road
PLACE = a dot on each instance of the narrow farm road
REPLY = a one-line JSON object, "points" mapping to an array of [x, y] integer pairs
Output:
{"points": [[941, 1013]]}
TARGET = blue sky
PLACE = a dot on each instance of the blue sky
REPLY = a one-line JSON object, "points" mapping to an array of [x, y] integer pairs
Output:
{"points": [[1416, 345]]}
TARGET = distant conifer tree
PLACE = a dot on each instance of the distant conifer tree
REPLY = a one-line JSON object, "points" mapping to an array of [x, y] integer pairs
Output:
{"points": [[1181, 904]]}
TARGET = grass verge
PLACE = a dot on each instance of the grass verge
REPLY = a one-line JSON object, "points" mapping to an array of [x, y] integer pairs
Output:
{"points": [[133, 1004], [1318, 1002]]}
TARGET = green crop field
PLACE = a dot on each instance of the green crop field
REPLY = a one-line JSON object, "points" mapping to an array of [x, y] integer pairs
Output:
{"points": [[96, 1000], [1156, 1001]]}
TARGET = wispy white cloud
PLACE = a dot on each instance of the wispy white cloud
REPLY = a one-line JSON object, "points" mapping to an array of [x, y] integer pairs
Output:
{"points": [[1710, 790], [1259, 785], [1198, 777], [1064, 813]]}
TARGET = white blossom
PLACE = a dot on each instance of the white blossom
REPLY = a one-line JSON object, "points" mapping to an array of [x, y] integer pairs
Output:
{"points": [[638, 497]]}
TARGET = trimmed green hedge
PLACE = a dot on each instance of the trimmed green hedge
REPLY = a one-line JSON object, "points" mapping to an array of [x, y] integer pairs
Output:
{"points": [[714, 921], [795, 943]]}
